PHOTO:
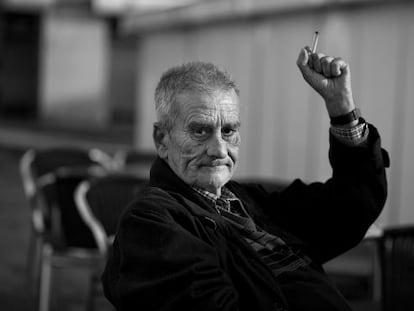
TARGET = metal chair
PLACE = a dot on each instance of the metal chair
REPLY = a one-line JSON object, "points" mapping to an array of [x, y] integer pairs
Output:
{"points": [[396, 249], [102, 200], [68, 243], [36, 168], [133, 161]]}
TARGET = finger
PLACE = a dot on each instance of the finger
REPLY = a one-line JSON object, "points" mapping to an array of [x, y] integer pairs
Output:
{"points": [[337, 66], [326, 66], [316, 61]]}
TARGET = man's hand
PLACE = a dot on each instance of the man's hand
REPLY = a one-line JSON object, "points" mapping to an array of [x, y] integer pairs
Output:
{"points": [[330, 77]]}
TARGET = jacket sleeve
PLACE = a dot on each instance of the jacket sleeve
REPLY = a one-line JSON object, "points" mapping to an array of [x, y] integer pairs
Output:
{"points": [[157, 264], [333, 216]]}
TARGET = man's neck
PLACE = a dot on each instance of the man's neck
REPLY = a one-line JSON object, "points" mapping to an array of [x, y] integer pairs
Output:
{"points": [[212, 195]]}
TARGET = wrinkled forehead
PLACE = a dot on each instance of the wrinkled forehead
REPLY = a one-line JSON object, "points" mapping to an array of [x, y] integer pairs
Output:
{"points": [[223, 105]]}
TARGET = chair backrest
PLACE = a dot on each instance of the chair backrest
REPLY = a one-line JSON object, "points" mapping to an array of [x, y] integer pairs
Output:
{"points": [[102, 200], [37, 163], [133, 161], [66, 228], [37, 166], [397, 268]]}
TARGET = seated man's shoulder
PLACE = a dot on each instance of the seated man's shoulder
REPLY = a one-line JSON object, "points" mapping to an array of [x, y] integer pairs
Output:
{"points": [[153, 200]]}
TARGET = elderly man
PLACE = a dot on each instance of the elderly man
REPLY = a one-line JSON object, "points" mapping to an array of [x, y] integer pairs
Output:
{"points": [[196, 240]]}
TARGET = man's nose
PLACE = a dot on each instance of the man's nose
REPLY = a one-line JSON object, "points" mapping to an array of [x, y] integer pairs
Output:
{"points": [[217, 147]]}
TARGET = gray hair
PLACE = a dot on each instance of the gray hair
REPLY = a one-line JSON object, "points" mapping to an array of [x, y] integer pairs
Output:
{"points": [[200, 77]]}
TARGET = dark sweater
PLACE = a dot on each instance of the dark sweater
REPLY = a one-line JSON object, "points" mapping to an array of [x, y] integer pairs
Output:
{"points": [[173, 251]]}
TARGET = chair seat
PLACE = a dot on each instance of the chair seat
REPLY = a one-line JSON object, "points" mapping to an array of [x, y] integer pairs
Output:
{"points": [[77, 257]]}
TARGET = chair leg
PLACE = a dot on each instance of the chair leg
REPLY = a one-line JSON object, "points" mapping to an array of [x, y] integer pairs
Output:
{"points": [[33, 266], [91, 293], [377, 278], [94, 289], [45, 278], [32, 260]]}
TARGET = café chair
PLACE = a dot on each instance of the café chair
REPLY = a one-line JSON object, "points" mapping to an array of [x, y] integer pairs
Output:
{"points": [[396, 252], [133, 161], [68, 242], [35, 168], [102, 200]]}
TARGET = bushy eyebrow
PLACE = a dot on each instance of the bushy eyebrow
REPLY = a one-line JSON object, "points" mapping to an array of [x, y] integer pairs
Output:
{"points": [[195, 124], [235, 124]]}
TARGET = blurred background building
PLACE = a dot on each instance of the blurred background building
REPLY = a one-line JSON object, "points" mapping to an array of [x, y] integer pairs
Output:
{"points": [[88, 69]]}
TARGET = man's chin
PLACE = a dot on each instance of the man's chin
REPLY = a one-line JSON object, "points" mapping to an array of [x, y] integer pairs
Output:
{"points": [[214, 181]]}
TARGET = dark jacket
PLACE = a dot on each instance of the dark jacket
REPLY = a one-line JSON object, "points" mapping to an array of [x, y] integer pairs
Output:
{"points": [[173, 251]]}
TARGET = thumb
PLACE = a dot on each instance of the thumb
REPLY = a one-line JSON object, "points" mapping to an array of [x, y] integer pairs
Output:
{"points": [[303, 58], [302, 63]]}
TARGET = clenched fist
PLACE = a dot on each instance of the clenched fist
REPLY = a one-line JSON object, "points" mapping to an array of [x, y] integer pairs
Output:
{"points": [[330, 77]]}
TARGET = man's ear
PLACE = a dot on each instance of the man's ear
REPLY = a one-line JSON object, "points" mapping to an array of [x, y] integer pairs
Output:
{"points": [[161, 139]]}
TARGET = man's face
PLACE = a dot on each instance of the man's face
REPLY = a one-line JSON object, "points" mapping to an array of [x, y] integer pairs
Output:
{"points": [[203, 145]]}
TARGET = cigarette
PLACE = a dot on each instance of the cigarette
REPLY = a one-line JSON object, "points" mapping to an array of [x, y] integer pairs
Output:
{"points": [[315, 41]]}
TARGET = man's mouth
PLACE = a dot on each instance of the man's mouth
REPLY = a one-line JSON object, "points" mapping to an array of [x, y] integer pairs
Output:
{"points": [[214, 164]]}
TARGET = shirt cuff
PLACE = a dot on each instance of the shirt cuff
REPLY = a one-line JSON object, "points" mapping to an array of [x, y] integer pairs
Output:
{"points": [[352, 136]]}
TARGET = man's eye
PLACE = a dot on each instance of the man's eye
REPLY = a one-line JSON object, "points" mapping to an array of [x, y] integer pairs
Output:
{"points": [[200, 132], [227, 131]]}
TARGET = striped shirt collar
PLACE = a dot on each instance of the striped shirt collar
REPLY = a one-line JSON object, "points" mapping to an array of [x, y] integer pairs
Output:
{"points": [[222, 201]]}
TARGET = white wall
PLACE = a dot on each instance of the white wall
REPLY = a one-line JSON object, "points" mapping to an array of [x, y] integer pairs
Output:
{"points": [[285, 126], [74, 69]]}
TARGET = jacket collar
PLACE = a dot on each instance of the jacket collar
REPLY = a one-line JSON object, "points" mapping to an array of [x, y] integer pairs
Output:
{"points": [[162, 176]]}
